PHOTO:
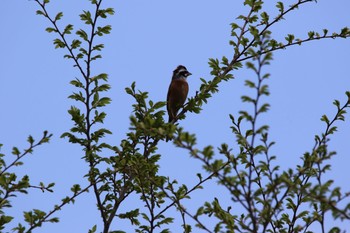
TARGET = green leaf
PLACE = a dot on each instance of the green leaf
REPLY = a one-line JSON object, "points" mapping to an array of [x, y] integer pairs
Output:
{"points": [[77, 117], [248, 99], [159, 104], [59, 43], [67, 56], [83, 51], [103, 13], [208, 152], [214, 64], [53, 220], [333, 129], [250, 84], [311, 34], [39, 12], [102, 76], [77, 96], [264, 18], [4, 220], [337, 103], [325, 31], [249, 3], [68, 29], [15, 151], [132, 216], [30, 139], [82, 34], [58, 16], [103, 102], [77, 83], [273, 43], [72, 138], [66, 200], [254, 31], [50, 29], [110, 11], [99, 117], [86, 17], [224, 61], [98, 47], [264, 108], [75, 44], [76, 188], [93, 229], [96, 57], [289, 38], [325, 119], [251, 66], [280, 7], [345, 32], [264, 90], [103, 30], [103, 87]]}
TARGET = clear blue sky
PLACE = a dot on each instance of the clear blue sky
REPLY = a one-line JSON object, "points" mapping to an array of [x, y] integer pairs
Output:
{"points": [[149, 39]]}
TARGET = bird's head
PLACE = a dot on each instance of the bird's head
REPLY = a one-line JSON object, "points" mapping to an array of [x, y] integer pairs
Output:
{"points": [[181, 72]]}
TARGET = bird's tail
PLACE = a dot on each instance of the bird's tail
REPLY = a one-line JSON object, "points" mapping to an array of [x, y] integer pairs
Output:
{"points": [[169, 121]]}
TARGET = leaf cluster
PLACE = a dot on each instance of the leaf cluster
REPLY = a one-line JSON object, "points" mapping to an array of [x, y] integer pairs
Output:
{"points": [[11, 185]]}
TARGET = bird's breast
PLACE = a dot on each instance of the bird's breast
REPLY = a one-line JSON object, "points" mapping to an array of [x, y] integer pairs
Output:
{"points": [[181, 87]]}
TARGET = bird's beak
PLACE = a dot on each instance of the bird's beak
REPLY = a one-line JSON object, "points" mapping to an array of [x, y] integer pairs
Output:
{"points": [[188, 74]]}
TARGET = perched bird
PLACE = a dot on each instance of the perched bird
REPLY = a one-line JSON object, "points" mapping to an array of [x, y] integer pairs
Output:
{"points": [[178, 91]]}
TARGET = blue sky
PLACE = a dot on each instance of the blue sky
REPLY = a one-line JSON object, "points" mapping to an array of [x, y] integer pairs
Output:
{"points": [[149, 39]]}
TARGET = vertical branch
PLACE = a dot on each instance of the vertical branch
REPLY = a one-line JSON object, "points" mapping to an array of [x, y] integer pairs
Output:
{"points": [[89, 97], [89, 151]]}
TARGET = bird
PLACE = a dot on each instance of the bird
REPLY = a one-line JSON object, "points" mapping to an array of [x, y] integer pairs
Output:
{"points": [[177, 92]]}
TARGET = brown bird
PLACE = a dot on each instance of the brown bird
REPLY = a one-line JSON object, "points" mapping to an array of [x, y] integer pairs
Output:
{"points": [[177, 92]]}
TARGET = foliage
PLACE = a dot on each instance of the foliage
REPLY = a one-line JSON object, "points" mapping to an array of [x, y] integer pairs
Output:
{"points": [[271, 199], [11, 185]]}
